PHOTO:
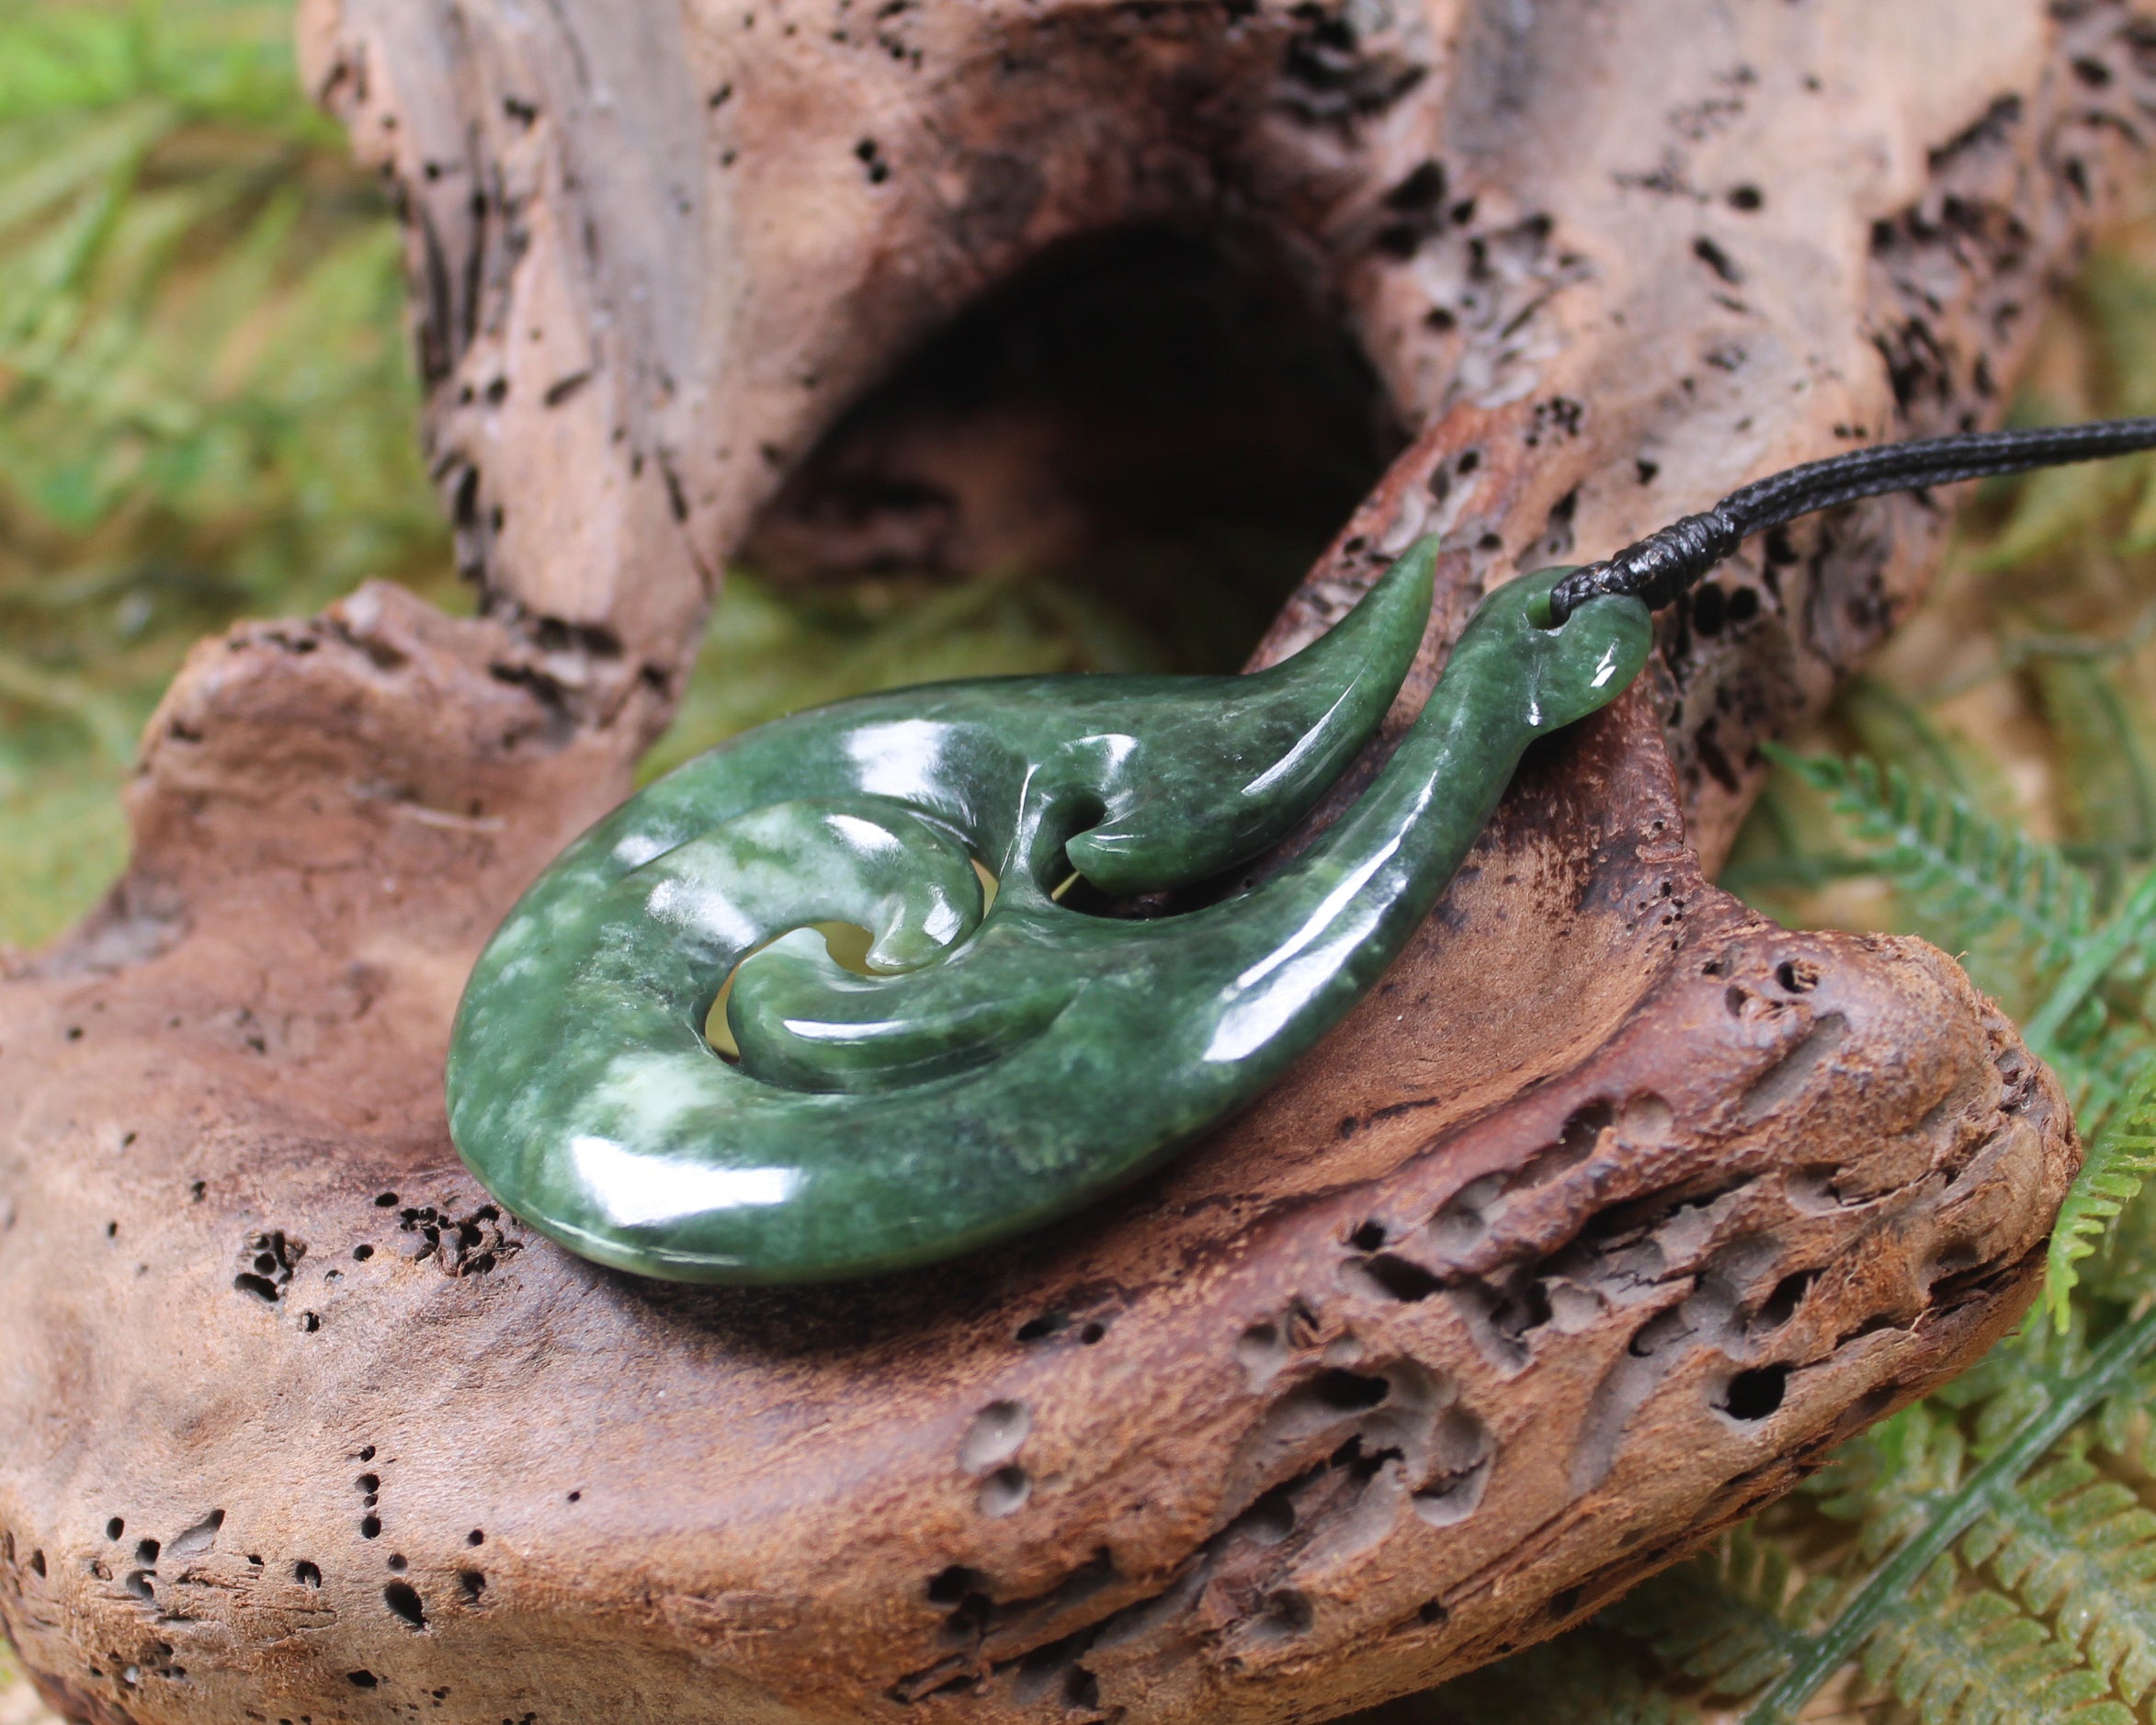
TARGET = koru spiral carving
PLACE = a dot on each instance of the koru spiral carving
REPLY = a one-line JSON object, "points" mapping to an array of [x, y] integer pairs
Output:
{"points": [[1005, 1057]]}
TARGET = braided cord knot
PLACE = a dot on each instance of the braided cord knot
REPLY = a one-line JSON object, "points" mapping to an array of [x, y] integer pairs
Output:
{"points": [[1658, 568], [1655, 569]]}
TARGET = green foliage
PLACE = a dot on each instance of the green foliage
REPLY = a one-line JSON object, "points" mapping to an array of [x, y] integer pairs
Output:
{"points": [[2120, 1158], [1951, 1653], [206, 402], [2107, 796], [1910, 1495], [2016, 911], [2021, 916], [2076, 1549], [1727, 1623]]}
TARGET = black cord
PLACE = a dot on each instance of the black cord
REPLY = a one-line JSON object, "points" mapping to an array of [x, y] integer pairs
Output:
{"points": [[1661, 566]]}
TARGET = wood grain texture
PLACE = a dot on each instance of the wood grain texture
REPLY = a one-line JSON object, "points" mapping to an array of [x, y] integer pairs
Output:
{"points": [[1594, 1227]]}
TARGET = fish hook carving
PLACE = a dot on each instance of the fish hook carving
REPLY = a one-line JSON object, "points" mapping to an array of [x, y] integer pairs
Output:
{"points": [[998, 1066], [1002, 1060]]}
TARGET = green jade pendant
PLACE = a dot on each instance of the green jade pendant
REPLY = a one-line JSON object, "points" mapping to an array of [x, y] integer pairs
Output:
{"points": [[995, 1069]]}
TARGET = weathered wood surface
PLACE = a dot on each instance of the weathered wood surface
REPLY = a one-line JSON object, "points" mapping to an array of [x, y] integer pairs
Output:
{"points": [[1590, 1232]]}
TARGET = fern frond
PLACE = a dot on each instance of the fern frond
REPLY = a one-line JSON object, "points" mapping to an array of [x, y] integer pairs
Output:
{"points": [[2073, 1009], [2020, 1377], [2124, 1424], [1973, 1657], [2016, 908], [2079, 1551], [2102, 1068], [1881, 1607], [1732, 1620], [1887, 1482], [2119, 1162]]}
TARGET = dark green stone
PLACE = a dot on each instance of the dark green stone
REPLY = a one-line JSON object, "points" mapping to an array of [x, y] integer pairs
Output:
{"points": [[993, 1072]]}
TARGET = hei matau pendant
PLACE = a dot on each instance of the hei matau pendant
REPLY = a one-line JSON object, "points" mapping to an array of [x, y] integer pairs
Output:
{"points": [[1003, 1058]]}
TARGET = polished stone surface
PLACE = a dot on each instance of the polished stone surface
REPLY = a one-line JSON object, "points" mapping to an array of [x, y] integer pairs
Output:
{"points": [[997, 1067]]}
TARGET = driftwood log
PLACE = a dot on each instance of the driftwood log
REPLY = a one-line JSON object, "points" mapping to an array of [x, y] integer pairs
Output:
{"points": [[1602, 1220]]}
